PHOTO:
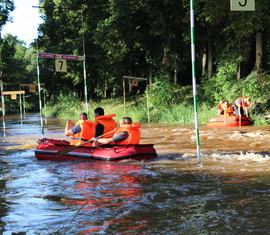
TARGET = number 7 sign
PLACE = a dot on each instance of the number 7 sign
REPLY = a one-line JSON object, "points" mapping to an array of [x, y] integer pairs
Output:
{"points": [[242, 5], [60, 65]]}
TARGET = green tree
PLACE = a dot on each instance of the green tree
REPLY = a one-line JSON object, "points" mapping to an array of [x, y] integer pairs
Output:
{"points": [[233, 36], [6, 7], [145, 37], [14, 69]]}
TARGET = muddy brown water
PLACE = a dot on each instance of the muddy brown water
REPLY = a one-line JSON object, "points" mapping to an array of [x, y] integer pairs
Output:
{"points": [[228, 193]]}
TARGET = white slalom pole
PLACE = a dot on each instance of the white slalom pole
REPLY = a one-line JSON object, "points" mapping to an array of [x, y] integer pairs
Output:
{"points": [[21, 109], [85, 87], [40, 101], [192, 30]]}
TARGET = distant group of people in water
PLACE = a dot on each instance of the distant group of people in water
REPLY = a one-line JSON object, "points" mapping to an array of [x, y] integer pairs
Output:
{"points": [[104, 126], [238, 108]]}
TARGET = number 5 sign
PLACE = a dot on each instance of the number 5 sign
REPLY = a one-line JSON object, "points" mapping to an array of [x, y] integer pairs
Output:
{"points": [[242, 5], [60, 65]]}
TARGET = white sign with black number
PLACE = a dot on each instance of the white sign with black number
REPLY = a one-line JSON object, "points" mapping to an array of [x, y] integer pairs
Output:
{"points": [[60, 65], [242, 5]]}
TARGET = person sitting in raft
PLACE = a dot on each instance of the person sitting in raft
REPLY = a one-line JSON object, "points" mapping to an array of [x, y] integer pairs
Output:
{"points": [[104, 124], [228, 110], [220, 108], [128, 133], [81, 132], [241, 106]]}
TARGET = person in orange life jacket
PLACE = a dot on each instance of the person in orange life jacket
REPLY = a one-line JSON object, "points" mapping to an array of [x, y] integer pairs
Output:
{"points": [[104, 124], [241, 106], [228, 110], [220, 109], [128, 133], [81, 132]]}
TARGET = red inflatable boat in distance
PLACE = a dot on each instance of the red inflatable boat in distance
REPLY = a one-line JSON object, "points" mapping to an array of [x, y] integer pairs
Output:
{"points": [[223, 121]]}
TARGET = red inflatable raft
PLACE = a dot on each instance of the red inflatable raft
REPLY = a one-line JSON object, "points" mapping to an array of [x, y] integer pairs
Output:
{"points": [[48, 150], [222, 121]]}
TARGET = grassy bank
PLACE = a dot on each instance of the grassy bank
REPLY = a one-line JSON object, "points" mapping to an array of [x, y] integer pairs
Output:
{"points": [[136, 107]]}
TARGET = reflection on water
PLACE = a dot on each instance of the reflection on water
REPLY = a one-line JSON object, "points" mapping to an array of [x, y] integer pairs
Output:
{"points": [[112, 190], [228, 193]]}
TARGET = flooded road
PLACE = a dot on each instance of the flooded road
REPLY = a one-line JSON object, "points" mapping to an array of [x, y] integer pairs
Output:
{"points": [[228, 193]]}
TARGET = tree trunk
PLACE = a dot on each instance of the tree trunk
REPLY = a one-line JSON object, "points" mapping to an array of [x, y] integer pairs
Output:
{"points": [[105, 89], [261, 58], [204, 60], [150, 76], [165, 60], [210, 59], [175, 77], [245, 67], [239, 66]]}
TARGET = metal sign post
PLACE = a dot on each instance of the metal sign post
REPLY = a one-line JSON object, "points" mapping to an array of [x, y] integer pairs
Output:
{"points": [[61, 57], [135, 83], [60, 66], [32, 88], [13, 96], [21, 109]]}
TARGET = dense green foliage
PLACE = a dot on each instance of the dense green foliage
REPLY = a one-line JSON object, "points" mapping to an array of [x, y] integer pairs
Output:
{"points": [[223, 87], [17, 67], [144, 38], [6, 7], [150, 39]]}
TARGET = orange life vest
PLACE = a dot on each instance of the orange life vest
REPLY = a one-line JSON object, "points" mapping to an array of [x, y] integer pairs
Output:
{"points": [[85, 134], [108, 123], [223, 106], [134, 133], [228, 110], [220, 106], [244, 104]]}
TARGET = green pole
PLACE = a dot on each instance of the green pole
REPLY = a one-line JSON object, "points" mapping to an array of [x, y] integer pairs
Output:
{"points": [[39, 97], [192, 31]]}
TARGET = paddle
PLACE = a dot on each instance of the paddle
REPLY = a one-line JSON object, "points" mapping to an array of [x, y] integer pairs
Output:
{"points": [[68, 149]]}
